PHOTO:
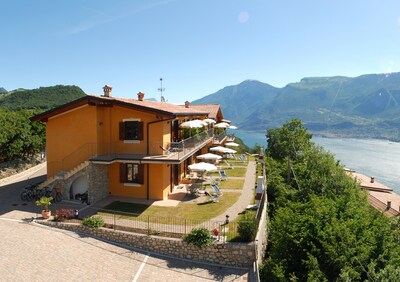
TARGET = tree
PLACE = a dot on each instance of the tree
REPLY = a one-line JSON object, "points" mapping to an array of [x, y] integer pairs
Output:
{"points": [[288, 141], [19, 137], [322, 227]]}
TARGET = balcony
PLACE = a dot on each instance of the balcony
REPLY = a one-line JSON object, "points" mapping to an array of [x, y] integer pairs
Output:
{"points": [[158, 152], [219, 138]]}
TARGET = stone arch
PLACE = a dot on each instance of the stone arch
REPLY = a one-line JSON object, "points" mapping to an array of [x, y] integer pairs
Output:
{"points": [[78, 186]]}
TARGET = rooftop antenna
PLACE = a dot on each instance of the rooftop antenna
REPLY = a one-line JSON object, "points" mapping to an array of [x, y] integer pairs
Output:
{"points": [[161, 89]]}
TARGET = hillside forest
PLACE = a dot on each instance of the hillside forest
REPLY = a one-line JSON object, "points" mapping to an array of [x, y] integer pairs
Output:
{"points": [[19, 137]]}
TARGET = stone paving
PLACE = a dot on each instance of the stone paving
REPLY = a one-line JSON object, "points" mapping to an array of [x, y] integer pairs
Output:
{"points": [[31, 252]]}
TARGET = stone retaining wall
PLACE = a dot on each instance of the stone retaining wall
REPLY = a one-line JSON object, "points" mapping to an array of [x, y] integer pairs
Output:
{"points": [[231, 254]]}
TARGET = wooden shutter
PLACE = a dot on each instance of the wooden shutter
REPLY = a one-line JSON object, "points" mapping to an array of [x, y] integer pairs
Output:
{"points": [[122, 173], [140, 174], [140, 130], [121, 131]]}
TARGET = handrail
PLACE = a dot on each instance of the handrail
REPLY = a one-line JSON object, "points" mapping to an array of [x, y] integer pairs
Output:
{"points": [[218, 138]]}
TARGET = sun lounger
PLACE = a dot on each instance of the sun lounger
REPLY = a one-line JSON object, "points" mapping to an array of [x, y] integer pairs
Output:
{"points": [[216, 189], [215, 180], [228, 164], [214, 197], [223, 175]]}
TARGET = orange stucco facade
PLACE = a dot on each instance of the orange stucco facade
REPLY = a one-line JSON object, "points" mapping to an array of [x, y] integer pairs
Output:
{"points": [[79, 133]]}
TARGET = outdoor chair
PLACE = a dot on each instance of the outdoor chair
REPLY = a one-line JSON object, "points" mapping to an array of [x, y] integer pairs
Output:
{"points": [[223, 175], [167, 151], [194, 189], [214, 197], [216, 189]]}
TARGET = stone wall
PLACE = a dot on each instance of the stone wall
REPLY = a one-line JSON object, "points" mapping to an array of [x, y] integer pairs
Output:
{"points": [[231, 254], [97, 182]]}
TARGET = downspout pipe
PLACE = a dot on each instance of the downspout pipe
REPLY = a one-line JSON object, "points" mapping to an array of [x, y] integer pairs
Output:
{"points": [[148, 151]]}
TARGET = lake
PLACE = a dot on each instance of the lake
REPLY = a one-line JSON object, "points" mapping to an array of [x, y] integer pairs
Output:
{"points": [[372, 157]]}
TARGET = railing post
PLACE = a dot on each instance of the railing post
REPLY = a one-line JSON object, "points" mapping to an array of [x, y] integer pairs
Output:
{"points": [[148, 225], [115, 222]]}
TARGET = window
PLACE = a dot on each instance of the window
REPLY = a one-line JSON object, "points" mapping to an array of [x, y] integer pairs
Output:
{"points": [[131, 130], [131, 173]]}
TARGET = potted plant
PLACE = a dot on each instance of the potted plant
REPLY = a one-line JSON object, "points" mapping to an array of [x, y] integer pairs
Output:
{"points": [[45, 203]]}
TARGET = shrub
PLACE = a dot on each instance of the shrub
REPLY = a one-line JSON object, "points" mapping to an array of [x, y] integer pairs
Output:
{"points": [[93, 221], [200, 237], [63, 214], [247, 227]]}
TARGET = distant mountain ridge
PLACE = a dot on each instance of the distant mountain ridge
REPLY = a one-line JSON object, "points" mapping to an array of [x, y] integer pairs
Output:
{"points": [[367, 106]]}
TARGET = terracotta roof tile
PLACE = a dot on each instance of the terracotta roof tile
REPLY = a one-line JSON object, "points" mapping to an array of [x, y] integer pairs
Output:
{"points": [[212, 109], [365, 182], [163, 106]]}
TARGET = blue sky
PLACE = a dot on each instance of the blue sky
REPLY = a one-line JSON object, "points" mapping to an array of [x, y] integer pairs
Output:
{"points": [[198, 47]]}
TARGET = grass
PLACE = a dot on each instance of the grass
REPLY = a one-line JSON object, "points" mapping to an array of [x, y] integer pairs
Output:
{"points": [[231, 184], [235, 172], [127, 207], [185, 210]]}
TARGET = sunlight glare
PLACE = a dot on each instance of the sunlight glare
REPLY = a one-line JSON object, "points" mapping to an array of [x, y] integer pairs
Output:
{"points": [[243, 17]]}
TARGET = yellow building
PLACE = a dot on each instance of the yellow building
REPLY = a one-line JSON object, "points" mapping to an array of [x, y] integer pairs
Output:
{"points": [[105, 145]]}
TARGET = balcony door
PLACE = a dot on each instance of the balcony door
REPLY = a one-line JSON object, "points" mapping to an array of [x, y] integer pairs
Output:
{"points": [[175, 174]]}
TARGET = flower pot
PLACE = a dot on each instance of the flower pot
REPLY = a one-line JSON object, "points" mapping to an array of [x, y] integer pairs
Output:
{"points": [[46, 214]]}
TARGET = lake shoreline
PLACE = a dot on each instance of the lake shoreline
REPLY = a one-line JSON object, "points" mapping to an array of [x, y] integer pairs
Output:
{"points": [[327, 135], [373, 157]]}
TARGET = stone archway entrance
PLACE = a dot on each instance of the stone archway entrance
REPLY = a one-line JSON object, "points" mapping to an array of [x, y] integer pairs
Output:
{"points": [[78, 186]]}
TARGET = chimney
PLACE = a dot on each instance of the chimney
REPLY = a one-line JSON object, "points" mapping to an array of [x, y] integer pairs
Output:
{"points": [[372, 179], [389, 204], [107, 90], [140, 96], [187, 104]]}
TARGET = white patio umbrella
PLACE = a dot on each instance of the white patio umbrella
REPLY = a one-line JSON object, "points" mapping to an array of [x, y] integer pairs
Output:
{"points": [[232, 144], [209, 121], [218, 149], [229, 151], [193, 124], [209, 156], [202, 167], [221, 125], [232, 127]]}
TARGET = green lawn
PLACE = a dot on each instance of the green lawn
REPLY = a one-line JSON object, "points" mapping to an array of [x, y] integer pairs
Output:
{"points": [[231, 184], [185, 210], [235, 172]]}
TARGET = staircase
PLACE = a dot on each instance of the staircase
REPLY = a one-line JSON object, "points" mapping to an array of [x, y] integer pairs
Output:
{"points": [[64, 175]]}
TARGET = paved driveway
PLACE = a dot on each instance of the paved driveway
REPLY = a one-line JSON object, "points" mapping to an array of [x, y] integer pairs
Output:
{"points": [[32, 252]]}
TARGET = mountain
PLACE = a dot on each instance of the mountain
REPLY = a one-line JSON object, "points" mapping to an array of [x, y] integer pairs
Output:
{"points": [[366, 106], [43, 98], [3, 91], [247, 96]]}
